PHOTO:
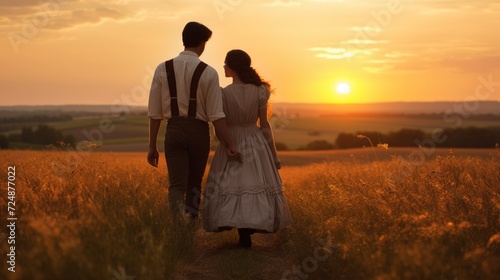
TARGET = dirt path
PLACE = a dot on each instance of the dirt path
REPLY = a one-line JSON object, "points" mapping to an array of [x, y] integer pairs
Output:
{"points": [[218, 257]]}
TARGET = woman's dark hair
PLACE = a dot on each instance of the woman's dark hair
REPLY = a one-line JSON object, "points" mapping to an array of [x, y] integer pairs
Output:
{"points": [[239, 61], [194, 34]]}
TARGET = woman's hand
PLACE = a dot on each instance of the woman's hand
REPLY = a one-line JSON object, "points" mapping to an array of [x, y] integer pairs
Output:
{"points": [[234, 155]]}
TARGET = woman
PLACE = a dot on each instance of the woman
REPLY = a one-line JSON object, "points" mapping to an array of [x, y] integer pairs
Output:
{"points": [[248, 195]]}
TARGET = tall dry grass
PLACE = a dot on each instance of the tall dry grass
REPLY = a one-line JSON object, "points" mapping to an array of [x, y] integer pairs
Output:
{"points": [[108, 219], [438, 219]]}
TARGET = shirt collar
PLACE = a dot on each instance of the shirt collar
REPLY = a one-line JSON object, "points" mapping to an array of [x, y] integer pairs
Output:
{"points": [[191, 53]]}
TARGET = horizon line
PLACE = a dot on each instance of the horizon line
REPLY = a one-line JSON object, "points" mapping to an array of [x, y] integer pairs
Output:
{"points": [[287, 103]]}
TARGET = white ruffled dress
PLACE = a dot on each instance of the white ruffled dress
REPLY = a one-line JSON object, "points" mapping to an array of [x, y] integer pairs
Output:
{"points": [[248, 194]]}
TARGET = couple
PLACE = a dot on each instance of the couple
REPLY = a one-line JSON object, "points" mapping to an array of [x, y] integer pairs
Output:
{"points": [[244, 188]]}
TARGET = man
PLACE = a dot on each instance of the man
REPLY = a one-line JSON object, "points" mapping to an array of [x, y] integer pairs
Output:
{"points": [[186, 92]]}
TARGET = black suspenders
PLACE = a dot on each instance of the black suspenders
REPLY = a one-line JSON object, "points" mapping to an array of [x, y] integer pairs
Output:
{"points": [[172, 86]]}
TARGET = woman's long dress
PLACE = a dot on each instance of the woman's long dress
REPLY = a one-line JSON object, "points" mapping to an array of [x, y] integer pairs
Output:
{"points": [[248, 194]]}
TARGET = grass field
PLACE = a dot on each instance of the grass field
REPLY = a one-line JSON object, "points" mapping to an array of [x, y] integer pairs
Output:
{"points": [[92, 215], [131, 132], [297, 132]]}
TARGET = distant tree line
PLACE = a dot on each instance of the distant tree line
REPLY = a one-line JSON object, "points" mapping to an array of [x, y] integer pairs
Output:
{"points": [[41, 135], [317, 145], [417, 116], [37, 118], [4, 142], [14, 122], [468, 137]]}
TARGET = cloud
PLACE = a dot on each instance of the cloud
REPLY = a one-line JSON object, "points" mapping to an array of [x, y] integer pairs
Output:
{"points": [[349, 48], [92, 16], [479, 64], [344, 53], [331, 53], [30, 7], [328, 1], [441, 11], [398, 54], [458, 56], [283, 3], [62, 14], [359, 43], [33, 3], [169, 15], [493, 7], [378, 68], [438, 8], [384, 62]]}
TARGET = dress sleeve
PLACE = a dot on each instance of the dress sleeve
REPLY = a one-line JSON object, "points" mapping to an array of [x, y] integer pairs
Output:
{"points": [[155, 110], [263, 96]]}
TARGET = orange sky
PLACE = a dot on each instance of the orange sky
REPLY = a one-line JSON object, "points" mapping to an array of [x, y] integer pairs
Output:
{"points": [[104, 52]]}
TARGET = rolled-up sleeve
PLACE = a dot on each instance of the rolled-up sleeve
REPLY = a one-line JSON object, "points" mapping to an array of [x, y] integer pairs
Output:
{"points": [[155, 110], [214, 98]]}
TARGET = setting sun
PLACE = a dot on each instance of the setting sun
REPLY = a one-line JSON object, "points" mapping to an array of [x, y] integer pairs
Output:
{"points": [[343, 88]]}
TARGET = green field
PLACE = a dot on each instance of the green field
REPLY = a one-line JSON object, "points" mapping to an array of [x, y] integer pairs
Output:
{"points": [[131, 132], [297, 132]]}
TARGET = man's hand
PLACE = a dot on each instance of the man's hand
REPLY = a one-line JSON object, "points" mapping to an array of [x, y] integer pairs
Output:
{"points": [[278, 165], [224, 134], [153, 157]]}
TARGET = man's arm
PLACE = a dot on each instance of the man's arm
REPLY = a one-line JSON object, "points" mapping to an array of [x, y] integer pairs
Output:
{"points": [[155, 114], [224, 135], [154, 128], [216, 114]]}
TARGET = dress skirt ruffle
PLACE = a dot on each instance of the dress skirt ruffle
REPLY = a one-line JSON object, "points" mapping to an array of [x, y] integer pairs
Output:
{"points": [[248, 194]]}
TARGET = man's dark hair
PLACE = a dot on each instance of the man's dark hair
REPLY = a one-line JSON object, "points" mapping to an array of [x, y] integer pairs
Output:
{"points": [[194, 34]]}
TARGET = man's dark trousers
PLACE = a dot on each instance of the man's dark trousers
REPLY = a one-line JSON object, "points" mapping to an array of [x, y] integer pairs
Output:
{"points": [[187, 145]]}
